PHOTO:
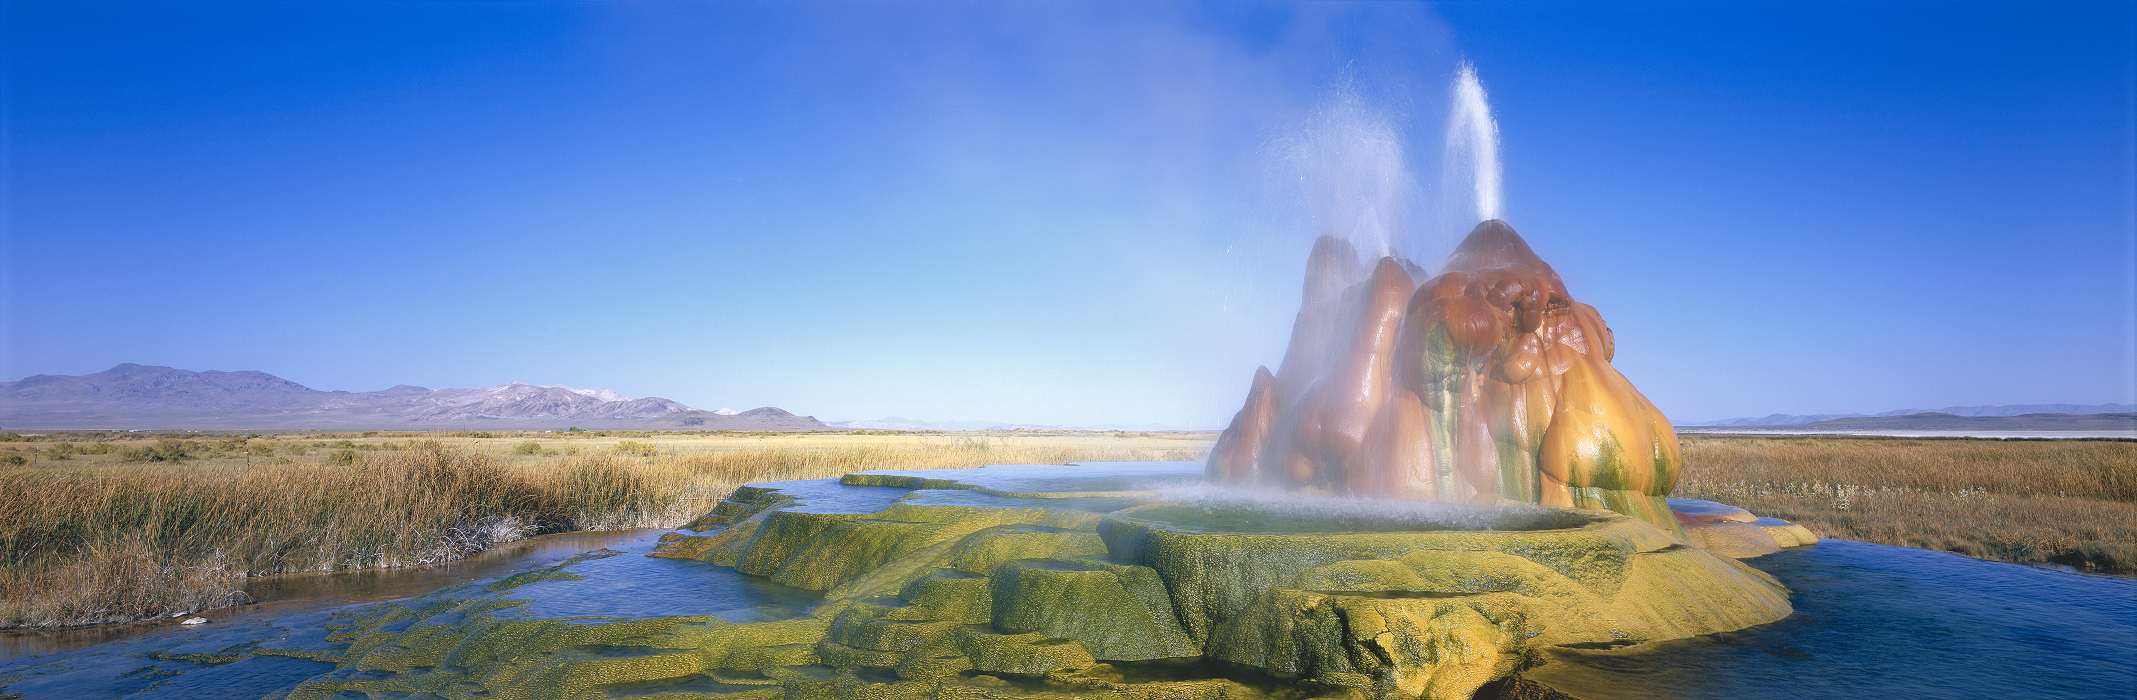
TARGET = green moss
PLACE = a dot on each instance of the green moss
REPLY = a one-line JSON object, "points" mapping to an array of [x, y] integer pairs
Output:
{"points": [[204, 659], [1647, 508], [990, 548], [743, 503], [899, 481], [878, 554], [526, 577], [817, 552], [1026, 654], [755, 649], [876, 627], [1119, 613], [1665, 468], [675, 545], [949, 594], [944, 666], [1218, 575], [1517, 464], [1439, 392], [842, 656], [1608, 472], [1435, 573], [1391, 647]]}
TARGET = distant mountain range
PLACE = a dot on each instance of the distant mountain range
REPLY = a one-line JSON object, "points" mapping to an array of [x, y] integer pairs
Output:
{"points": [[2125, 422], [2052, 416], [131, 396], [916, 424]]}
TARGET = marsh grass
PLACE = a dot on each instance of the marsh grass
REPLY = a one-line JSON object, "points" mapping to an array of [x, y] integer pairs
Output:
{"points": [[2067, 502], [114, 527], [111, 529]]}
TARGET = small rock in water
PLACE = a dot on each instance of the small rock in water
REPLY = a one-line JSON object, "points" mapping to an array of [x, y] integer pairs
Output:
{"points": [[177, 615], [194, 621]]}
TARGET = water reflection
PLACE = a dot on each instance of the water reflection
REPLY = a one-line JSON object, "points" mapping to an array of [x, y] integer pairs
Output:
{"points": [[632, 585]]}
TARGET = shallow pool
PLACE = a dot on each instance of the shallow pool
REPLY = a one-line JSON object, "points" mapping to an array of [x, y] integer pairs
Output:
{"points": [[1875, 621]]}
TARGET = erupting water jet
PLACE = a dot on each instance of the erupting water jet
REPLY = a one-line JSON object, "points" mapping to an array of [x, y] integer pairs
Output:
{"points": [[1485, 383], [1472, 149]]}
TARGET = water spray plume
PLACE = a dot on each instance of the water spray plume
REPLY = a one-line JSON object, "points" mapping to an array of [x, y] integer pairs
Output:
{"points": [[1347, 167], [1472, 141]]}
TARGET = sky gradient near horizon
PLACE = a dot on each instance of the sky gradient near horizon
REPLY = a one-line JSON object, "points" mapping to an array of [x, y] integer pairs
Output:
{"points": [[1056, 213]]}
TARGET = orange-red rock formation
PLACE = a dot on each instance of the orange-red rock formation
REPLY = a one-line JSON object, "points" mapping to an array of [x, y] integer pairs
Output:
{"points": [[1487, 383]]}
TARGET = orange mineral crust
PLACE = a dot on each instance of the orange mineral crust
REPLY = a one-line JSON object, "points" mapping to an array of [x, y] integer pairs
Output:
{"points": [[1486, 383]]}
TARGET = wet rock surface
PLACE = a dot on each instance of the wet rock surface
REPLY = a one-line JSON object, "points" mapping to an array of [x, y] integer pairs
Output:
{"points": [[1734, 532]]}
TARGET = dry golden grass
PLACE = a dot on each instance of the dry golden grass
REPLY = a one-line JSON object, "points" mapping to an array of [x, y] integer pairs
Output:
{"points": [[2070, 502], [114, 528]]}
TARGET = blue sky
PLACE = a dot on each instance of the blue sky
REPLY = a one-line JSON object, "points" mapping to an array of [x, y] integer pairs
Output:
{"points": [[1059, 213]]}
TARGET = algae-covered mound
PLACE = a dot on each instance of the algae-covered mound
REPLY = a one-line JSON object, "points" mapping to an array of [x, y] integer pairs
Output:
{"points": [[1080, 581]]}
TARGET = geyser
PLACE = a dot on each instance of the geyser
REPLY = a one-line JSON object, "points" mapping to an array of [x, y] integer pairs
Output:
{"points": [[1486, 383]]}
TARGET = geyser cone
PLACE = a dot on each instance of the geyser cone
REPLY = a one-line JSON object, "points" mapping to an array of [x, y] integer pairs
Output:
{"points": [[1331, 269], [1234, 458], [1487, 383], [1328, 422]]}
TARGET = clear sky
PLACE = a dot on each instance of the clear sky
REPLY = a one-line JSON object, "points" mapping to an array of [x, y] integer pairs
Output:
{"points": [[1056, 213]]}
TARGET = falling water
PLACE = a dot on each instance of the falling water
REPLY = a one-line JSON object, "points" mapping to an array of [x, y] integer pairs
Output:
{"points": [[1471, 155]]}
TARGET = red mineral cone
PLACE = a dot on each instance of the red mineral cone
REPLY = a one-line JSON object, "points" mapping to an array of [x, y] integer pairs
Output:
{"points": [[1329, 422], [1487, 382], [1238, 450]]}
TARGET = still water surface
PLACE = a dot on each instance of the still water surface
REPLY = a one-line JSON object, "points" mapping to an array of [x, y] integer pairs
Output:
{"points": [[1875, 621]]}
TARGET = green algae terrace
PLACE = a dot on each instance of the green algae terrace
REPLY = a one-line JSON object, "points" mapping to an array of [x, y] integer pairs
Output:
{"points": [[1100, 580], [1124, 580]]}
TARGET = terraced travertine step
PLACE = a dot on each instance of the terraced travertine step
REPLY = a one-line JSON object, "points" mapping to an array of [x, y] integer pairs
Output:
{"points": [[1033, 582]]}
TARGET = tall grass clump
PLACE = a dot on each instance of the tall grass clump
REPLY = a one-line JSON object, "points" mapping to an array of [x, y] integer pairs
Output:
{"points": [[134, 536], [635, 448], [210, 527], [2068, 502]]}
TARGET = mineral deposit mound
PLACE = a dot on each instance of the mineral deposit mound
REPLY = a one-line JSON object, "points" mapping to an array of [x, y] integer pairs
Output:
{"points": [[1056, 581], [1486, 383]]}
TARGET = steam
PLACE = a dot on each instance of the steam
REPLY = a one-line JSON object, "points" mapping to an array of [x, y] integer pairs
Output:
{"points": [[1348, 169], [1471, 155], [1369, 514]]}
